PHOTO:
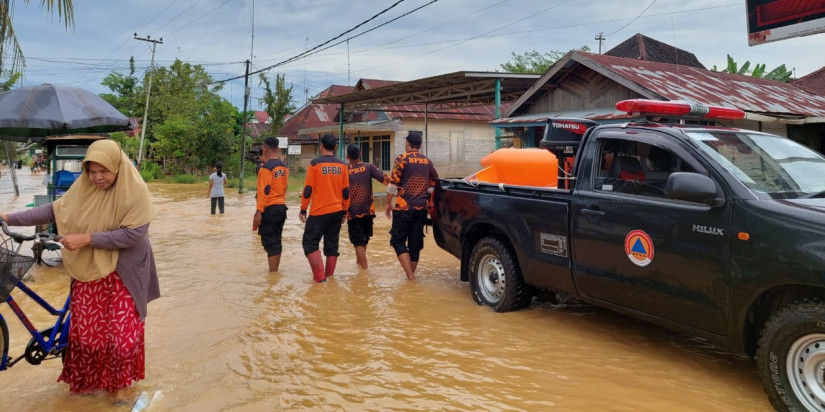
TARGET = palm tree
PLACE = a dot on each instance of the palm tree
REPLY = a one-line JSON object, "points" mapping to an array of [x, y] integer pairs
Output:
{"points": [[8, 40]]}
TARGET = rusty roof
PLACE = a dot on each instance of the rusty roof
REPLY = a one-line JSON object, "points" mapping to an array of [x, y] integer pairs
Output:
{"points": [[662, 81], [447, 90], [813, 82]]}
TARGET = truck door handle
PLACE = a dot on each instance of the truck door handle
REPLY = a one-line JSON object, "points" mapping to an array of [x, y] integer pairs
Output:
{"points": [[592, 214]]}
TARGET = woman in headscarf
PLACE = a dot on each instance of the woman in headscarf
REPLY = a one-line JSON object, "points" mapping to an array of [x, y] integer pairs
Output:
{"points": [[104, 219]]}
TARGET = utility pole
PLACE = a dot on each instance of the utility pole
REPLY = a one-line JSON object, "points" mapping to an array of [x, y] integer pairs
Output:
{"points": [[600, 37], [243, 130], [148, 92]]}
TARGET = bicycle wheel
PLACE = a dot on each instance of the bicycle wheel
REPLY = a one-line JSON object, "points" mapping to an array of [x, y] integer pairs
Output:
{"points": [[4, 342]]}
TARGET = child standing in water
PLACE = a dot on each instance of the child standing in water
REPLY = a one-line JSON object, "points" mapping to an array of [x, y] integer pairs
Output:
{"points": [[217, 181]]}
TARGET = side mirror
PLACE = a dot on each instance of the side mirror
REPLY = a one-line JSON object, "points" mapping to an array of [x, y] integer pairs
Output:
{"points": [[693, 187]]}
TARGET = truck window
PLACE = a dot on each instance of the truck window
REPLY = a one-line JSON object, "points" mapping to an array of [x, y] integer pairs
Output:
{"points": [[636, 168]]}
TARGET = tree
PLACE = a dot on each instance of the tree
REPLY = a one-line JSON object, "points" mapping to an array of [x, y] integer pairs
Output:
{"points": [[127, 96], [278, 103], [9, 47], [190, 126], [781, 73], [534, 62]]}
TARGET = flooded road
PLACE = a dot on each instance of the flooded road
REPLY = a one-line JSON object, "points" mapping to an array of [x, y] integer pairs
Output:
{"points": [[227, 335]]}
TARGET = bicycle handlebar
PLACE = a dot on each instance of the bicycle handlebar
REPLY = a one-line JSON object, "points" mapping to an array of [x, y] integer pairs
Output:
{"points": [[42, 237]]}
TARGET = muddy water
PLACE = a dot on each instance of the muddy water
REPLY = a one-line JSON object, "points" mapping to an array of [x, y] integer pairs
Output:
{"points": [[227, 335]]}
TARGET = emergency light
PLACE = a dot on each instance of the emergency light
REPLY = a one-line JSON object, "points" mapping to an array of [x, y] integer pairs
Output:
{"points": [[677, 108]]}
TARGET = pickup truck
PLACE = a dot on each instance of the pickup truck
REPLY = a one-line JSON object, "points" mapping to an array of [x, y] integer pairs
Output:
{"points": [[713, 231]]}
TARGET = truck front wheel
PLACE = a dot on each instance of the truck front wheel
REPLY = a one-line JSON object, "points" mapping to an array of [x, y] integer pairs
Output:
{"points": [[495, 279], [791, 357]]}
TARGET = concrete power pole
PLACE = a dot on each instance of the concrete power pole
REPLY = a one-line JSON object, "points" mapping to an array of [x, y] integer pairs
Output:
{"points": [[243, 130], [148, 92], [600, 37]]}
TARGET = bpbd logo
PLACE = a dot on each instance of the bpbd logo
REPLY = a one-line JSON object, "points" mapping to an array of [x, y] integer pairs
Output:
{"points": [[639, 248]]}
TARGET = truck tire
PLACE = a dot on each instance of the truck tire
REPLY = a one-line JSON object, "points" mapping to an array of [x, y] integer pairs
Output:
{"points": [[495, 278], [791, 357]]}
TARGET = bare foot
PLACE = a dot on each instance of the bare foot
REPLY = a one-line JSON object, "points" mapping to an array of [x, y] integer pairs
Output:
{"points": [[123, 396], [410, 277]]}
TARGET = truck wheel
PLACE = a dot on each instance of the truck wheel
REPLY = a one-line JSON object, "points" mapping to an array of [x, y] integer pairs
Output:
{"points": [[495, 279], [791, 357]]}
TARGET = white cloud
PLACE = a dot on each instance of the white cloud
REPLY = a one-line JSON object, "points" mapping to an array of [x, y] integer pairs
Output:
{"points": [[446, 36]]}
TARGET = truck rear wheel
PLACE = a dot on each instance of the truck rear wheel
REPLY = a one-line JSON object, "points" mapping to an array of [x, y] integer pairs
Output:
{"points": [[791, 357], [495, 278]]}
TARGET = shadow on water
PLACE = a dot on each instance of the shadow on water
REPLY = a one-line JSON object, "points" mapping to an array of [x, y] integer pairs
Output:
{"points": [[228, 335]]}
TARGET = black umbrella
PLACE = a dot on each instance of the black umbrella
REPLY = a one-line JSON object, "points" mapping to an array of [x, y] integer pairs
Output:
{"points": [[38, 111]]}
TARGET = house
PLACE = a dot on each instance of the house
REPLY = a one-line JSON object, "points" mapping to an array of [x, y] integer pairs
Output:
{"points": [[310, 116], [641, 47], [452, 111], [258, 124], [588, 85]]}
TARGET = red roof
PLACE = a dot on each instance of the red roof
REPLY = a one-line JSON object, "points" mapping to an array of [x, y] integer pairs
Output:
{"points": [[262, 116], [366, 84], [314, 115], [813, 83], [664, 81]]}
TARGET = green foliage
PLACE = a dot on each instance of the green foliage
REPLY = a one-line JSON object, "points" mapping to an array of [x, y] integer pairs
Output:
{"points": [[150, 171], [278, 103], [185, 178], [533, 61], [12, 60], [780, 73], [127, 96], [189, 126], [129, 144], [6, 85]]}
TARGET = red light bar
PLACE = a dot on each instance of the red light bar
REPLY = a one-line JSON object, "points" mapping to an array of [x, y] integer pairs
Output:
{"points": [[678, 109]]}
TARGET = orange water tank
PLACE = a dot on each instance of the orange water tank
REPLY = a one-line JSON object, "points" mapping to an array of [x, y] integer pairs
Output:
{"points": [[522, 167]]}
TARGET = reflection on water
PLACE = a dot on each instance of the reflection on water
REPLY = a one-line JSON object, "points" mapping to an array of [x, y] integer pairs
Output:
{"points": [[227, 335]]}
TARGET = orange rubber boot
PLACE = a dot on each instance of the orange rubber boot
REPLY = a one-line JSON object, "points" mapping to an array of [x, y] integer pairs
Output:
{"points": [[317, 266]]}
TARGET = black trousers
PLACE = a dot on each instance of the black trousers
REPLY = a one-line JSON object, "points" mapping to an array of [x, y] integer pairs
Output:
{"points": [[219, 202], [407, 232], [327, 226]]}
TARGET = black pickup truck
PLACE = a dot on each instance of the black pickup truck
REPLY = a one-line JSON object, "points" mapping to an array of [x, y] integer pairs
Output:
{"points": [[713, 231]]}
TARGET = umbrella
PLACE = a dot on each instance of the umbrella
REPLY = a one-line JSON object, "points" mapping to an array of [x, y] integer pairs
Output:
{"points": [[37, 111]]}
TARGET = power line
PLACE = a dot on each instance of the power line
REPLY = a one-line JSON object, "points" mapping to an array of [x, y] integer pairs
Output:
{"points": [[320, 45]]}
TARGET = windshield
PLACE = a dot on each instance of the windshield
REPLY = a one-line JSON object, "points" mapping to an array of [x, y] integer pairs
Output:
{"points": [[766, 163]]}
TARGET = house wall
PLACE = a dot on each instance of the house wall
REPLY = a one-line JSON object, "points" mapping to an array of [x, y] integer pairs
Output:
{"points": [[454, 146], [582, 89]]}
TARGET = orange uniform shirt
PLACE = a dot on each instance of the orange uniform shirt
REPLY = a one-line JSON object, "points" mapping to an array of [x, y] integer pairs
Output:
{"points": [[326, 186], [413, 176], [272, 181]]}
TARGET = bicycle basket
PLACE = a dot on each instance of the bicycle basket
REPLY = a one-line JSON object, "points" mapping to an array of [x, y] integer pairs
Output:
{"points": [[12, 268]]}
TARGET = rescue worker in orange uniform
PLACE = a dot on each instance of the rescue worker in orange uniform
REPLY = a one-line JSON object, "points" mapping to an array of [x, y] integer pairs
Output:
{"points": [[270, 213], [361, 211], [412, 180], [326, 196]]}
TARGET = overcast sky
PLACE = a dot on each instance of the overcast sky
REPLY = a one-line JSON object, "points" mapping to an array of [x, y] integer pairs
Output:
{"points": [[442, 37]]}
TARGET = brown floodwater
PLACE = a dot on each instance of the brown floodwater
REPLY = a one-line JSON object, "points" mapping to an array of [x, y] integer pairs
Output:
{"points": [[228, 335]]}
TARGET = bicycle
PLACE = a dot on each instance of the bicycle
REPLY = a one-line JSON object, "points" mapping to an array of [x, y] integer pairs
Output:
{"points": [[45, 344]]}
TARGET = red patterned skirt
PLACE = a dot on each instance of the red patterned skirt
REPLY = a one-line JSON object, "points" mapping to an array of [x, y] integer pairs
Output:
{"points": [[106, 347]]}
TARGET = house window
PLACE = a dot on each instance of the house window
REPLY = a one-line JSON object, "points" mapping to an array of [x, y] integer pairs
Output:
{"points": [[385, 155], [365, 151]]}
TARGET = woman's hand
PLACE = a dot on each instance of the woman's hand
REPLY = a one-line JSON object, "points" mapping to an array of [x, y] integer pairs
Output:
{"points": [[76, 241]]}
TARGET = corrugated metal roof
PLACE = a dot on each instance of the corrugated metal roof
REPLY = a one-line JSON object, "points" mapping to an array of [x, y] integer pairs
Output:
{"points": [[664, 81], [715, 88]]}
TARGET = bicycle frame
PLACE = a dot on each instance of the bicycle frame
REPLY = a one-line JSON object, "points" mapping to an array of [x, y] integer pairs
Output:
{"points": [[57, 339]]}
